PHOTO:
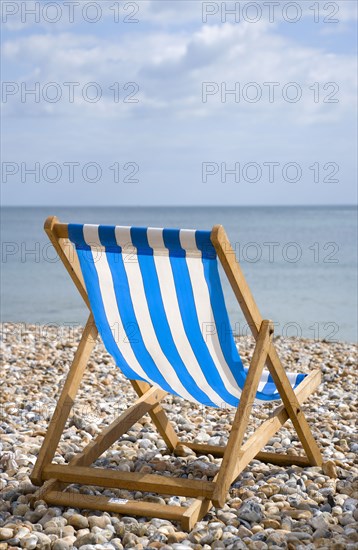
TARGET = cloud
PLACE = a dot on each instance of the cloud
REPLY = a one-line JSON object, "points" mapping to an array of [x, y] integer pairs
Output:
{"points": [[170, 69], [164, 63]]}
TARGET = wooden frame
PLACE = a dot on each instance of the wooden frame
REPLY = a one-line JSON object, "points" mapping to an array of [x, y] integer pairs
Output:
{"points": [[235, 456]]}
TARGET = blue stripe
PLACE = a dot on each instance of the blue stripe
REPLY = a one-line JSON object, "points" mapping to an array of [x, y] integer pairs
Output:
{"points": [[299, 378], [204, 244], [270, 387], [190, 320], [126, 311], [159, 318], [95, 297], [141, 243], [172, 243], [107, 237], [75, 234]]}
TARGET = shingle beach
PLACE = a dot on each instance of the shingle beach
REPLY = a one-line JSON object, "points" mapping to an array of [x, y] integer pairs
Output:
{"points": [[268, 506]]}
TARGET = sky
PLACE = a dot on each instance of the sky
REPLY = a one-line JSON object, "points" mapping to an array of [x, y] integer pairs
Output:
{"points": [[176, 102]]}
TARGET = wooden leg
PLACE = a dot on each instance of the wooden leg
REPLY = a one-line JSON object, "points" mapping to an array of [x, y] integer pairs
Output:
{"points": [[253, 317], [159, 417], [293, 408], [66, 400], [195, 512], [225, 475]]}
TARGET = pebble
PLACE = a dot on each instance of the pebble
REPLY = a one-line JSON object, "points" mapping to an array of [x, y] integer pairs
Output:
{"points": [[78, 521], [269, 507], [322, 534], [6, 533], [270, 523], [298, 535], [117, 544], [61, 544], [346, 519], [299, 514], [177, 536], [29, 542], [88, 538], [250, 511], [43, 541], [330, 469], [99, 521]]}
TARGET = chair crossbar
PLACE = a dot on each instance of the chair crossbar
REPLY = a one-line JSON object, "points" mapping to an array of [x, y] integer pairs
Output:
{"points": [[133, 481], [117, 506], [218, 451]]}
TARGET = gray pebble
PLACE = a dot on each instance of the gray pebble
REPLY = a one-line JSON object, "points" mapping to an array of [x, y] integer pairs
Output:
{"points": [[323, 509], [250, 511], [89, 538], [60, 545], [322, 534]]}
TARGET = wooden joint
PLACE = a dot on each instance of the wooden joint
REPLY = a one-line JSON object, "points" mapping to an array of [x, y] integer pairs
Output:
{"points": [[267, 325], [49, 223], [219, 501], [194, 513]]}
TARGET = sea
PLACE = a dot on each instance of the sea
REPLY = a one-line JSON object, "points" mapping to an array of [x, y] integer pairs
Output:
{"points": [[300, 263]]}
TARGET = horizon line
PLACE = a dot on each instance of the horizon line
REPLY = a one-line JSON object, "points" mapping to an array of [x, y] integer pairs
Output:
{"points": [[346, 205]]}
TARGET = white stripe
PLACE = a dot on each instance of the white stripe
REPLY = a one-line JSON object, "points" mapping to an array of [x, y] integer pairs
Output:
{"points": [[206, 319], [146, 328], [187, 239], [263, 380], [155, 238], [260, 387], [292, 376], [123, 236], [90, 234], [124, 240], [109, 300], [172, 310]]}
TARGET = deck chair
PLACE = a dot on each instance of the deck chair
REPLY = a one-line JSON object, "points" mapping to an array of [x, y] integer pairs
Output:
{"points": [[155, 298]]}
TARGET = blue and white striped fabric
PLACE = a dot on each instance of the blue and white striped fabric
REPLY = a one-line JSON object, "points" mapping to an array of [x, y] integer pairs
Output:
{"points": [[158, 303]]}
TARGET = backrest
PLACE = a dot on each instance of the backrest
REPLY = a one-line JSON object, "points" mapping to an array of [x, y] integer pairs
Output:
{"points": [[158, 303]]}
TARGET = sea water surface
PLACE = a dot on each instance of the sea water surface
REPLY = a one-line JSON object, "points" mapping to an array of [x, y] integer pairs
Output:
{"points": [[300, 263]]}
